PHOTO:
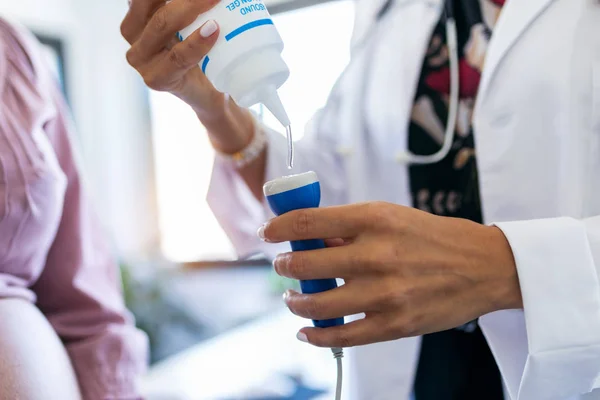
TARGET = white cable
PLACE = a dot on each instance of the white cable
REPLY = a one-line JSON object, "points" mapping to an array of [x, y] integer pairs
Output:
{"points": [[452, 41], [338, 387], [338, 354]]}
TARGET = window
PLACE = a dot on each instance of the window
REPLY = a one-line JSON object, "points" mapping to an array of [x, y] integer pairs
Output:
{"points": [[317, 41]]}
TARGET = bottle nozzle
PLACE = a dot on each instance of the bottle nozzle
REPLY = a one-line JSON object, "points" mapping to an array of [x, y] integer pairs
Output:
{"points": [[271, 100]]}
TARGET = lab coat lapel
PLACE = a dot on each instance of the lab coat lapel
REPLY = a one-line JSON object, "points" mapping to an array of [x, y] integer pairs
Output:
{"points": [[379, 97], [366, 17], [397, 58], [516, 17]]}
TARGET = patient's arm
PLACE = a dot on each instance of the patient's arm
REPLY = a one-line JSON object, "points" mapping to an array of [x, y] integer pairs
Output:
{"points": [[34, 364]]}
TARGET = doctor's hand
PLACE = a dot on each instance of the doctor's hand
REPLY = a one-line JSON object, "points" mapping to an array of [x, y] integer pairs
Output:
{"points": [[409, 272], [165, 64]]}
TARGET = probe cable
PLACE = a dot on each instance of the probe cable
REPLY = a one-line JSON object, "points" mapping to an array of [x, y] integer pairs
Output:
{"points": [[338, 354]]}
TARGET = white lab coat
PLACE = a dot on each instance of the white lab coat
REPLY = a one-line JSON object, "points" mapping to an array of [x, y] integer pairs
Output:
{"points": [[537, 135]]}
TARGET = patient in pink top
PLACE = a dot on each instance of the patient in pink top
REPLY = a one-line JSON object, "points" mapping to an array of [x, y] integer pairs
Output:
{"points": [[59, 285]]}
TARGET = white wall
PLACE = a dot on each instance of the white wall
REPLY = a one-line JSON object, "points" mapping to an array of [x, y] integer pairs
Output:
{"points": [[110, 111]]}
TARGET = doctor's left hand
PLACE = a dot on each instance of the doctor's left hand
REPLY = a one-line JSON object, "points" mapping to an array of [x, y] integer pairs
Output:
{"points": [[409, 272]]}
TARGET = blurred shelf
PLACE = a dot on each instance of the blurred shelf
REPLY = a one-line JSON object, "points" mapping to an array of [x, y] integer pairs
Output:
{"points": [[227, 295], [182, 307]]}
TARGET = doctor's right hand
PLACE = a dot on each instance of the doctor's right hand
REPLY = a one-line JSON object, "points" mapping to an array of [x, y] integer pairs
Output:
{"points": [[165, 64], [409, 272]]}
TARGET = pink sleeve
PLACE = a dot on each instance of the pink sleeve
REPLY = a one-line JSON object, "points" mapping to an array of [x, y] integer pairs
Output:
{"points": [[79, 288], [79, 291]]}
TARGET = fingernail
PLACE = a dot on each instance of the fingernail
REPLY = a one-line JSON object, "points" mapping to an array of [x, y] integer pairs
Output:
{"points": [[302, 337], [287, 294], [261, 232], [273, 264], [208, 28]]}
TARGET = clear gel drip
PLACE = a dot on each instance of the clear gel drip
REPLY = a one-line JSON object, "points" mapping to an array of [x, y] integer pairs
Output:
{"points": [[290, 146]]}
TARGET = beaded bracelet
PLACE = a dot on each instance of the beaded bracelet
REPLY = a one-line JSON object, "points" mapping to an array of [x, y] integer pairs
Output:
{"points": [[249, 153]]}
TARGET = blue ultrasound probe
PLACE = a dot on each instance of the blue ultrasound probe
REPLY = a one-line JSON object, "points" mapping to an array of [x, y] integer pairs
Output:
{"points": [[294, 193]]}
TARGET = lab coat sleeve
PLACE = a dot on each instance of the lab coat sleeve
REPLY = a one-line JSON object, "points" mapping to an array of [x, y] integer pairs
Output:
{"points": [[551, 350], [240, 213]]}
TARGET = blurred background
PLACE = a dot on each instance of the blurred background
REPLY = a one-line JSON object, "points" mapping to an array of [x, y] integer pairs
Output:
{"points": [[216, 324]]}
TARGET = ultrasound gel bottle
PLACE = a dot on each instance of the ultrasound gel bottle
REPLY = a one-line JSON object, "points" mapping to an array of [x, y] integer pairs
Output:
{"points": [[245, 62]]}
